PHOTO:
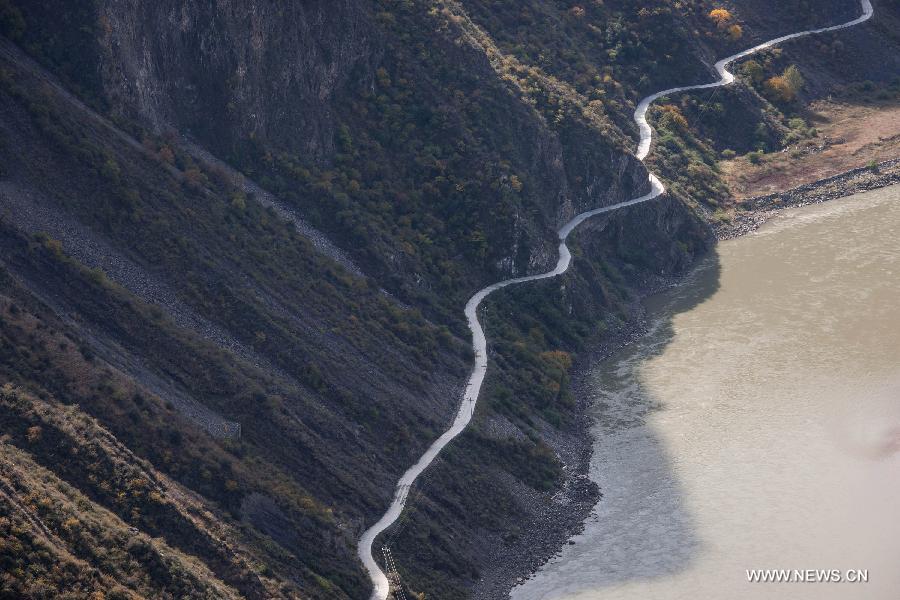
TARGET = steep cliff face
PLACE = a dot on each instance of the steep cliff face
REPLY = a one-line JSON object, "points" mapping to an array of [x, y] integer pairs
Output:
{"points": [[345, 107], [228, 71]]}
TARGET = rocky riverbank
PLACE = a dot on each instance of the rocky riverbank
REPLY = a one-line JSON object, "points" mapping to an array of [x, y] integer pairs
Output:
{"points": [[563, 516], [753, 212]]}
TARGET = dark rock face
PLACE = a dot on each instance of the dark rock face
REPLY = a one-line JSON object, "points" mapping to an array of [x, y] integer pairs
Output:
{"points": [[283, 76], [263, 513], [229, 70]]}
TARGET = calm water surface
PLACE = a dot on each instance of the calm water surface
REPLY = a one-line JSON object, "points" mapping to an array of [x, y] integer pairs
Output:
{"points": [[757, 426]]}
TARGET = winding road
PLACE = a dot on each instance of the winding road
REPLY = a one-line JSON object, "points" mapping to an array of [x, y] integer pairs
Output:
{"points": [[479, 342]]}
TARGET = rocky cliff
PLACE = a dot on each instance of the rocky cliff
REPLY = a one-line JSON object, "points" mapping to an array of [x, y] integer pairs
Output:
{"points": [[228, 71]]}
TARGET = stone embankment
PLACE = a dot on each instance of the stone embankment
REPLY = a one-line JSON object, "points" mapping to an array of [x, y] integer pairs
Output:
{"points": [[753, 212]]}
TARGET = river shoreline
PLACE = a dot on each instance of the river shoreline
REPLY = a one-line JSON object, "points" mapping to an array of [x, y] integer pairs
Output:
{"points": [[578, 496], [561, 525], [575, 500], [755, 211]]}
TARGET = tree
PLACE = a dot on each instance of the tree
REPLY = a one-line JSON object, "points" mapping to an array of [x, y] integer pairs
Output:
{"points": [[34, 434], [794, 79], [786, 86], [194, 178], [720, 17], [754, 71], [672, 119], [778, 87], [110, 170], [166, 155], [735, 32]]}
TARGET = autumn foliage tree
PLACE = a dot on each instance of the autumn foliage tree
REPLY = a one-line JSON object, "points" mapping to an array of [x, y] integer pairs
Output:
{"points": [[672, 118], [720, 16], [778, 87], [794, 78], [786, 86], [723, 20]]}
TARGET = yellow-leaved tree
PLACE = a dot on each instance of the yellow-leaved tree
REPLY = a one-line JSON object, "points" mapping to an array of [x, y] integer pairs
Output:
{"points": [[786, 86], [720, 17]]}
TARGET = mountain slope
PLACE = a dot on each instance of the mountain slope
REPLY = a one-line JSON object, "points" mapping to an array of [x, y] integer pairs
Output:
{"points": [[282, 381]]}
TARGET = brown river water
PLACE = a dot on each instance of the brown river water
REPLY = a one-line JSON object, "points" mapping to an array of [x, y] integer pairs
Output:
{"points": [[757, 425]]}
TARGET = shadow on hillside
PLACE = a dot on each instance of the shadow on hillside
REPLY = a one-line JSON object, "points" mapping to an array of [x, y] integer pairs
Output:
{"points": [[641, 528]]}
